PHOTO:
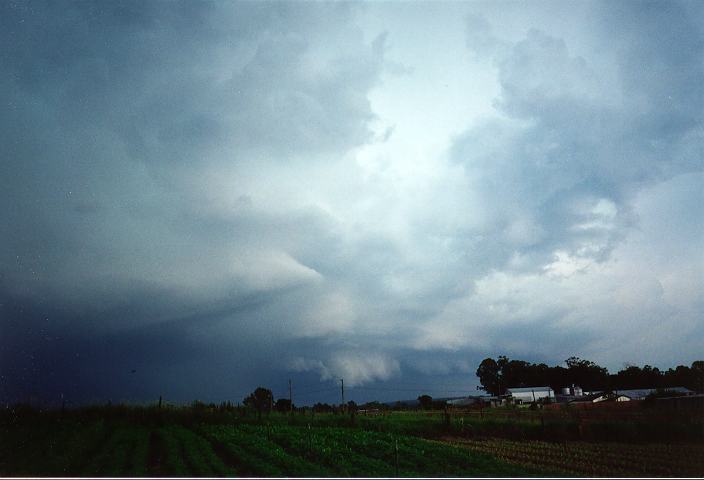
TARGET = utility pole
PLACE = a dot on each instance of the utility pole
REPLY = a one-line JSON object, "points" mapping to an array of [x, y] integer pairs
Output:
{"points": [[342, 390], [290, 397]]}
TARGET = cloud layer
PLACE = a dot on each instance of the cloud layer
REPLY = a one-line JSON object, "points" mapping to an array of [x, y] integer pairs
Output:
{"points": [[223, 195]]}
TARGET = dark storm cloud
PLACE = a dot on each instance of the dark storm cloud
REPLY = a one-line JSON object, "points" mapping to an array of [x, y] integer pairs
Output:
{"points": [[183, 197], [115, 113], [115, 108]]}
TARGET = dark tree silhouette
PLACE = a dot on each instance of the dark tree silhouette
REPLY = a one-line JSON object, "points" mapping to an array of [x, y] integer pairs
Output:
{"points": [[426, 402], [586, 374], [489, 376], [498, 375], [322, 408], [633, 376], [261, 400], [283, 405]]}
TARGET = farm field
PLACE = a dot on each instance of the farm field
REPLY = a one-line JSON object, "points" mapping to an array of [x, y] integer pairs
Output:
{"points": [[124, 449], [594, 459], [138, 441]]}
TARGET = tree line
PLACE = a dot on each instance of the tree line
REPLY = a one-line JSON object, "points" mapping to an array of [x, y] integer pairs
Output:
{"points": [[498, 375], [262, 400]]}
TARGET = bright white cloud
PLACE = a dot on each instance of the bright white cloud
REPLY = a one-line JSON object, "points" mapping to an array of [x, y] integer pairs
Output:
{"points": [[356, 368]]}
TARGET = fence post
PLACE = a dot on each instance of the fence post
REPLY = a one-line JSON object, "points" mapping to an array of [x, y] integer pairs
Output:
{"points": [[396, 457]]}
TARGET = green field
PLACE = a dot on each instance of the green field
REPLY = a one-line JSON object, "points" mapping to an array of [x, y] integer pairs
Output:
{"points": [[98, 448], [135, 441]]}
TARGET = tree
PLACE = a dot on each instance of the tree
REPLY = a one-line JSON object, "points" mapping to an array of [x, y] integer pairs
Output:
{"points": [[322, 408], [586, 374], [261, 400], [697, 376], [498, 375], [489, 375], [283, 405], [516, 373], [374, 405], [425, 401]]}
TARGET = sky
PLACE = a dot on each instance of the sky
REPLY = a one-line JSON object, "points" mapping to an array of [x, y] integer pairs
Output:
{"points": [[200, 198]]}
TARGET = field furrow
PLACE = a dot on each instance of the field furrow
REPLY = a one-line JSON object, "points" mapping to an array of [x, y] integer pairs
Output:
{"points": [[583, 458]]}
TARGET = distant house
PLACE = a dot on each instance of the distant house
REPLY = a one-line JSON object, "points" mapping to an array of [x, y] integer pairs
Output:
{"points": [[531, 394]]}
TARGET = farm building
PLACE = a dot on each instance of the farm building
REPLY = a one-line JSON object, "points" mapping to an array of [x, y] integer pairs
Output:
{"points": [[474, 400], [531, 394], [601, 397], [463, 402], [642, 393], [568, 394]]}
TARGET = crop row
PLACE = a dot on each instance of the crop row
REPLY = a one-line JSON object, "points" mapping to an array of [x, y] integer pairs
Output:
{"points": [[322, 448], [123, 453], [185, 453], [258, 456], [288, 450], [604, 459]]}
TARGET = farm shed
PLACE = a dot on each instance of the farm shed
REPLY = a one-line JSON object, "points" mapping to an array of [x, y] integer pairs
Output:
{"points": [[473, 400], [462, 402], [642, 393], [531, 394]]}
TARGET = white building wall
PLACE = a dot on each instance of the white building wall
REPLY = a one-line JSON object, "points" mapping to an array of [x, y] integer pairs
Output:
{"points": [[528, 396]]}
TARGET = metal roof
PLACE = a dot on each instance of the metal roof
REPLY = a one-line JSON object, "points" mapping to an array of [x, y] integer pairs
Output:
{"points": [[529, 389], [644, 392], [471, 399]]}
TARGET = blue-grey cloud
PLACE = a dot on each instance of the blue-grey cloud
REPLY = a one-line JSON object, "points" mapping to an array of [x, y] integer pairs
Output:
{"points": [[184, 196]]}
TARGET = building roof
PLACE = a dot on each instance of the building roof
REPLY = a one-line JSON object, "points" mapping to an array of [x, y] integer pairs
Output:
{"points": [[586, 398], [644, 392], [529, 389], [471, 399], [594, 397]]}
